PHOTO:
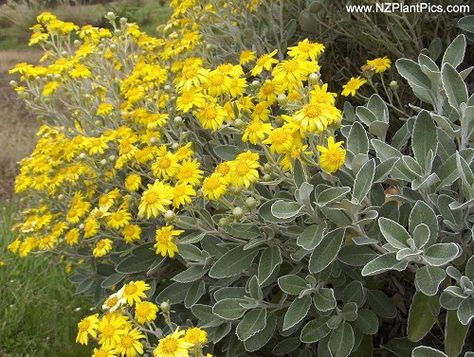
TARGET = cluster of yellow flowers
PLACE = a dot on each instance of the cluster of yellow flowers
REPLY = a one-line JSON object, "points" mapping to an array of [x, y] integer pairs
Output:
{"points": [[110, 158], [128, 328]]}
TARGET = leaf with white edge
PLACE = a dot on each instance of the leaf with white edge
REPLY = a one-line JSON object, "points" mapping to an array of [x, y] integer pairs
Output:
{"points": [[424, 137], [421, 213], [441, 253], [233, 263], [381, 304], [354, 292], [395, 234], [331, 194], [357, 142], [261, 338], [382, 264], [421, 235], [454, 334], [327, 250], [341, 341], [296, 312], [466, 311], [425, 351], [378, 106], [197, 289], [454, 54], [423, 314], [193, 273], [324, 299], [466, 23], [315, 330], [311, 236], [411, 71], [454, 86], [363, 181], [356, 255], [292, 284], [253, 322], [269, 261], [428, 279], [229, 309], [469, 269], [365, 115], [286, 209], [367, 322]]}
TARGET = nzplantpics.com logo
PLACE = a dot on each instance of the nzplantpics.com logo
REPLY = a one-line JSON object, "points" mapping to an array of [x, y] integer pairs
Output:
{"points": [[392, 7]]}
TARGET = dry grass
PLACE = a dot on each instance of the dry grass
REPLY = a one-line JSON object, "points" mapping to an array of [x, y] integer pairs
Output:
{"points": [[17, 125]]}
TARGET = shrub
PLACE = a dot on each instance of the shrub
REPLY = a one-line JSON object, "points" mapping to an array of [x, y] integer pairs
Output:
{"points": [[223, 187]]}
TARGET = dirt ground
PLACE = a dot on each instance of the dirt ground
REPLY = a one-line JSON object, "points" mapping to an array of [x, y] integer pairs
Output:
{"points": [[17, 126]]}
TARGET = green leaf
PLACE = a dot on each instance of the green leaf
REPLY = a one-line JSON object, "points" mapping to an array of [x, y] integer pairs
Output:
{"points": [[327, 250], [466, 311], [229, 309], [261, 338], [331, 194], [193, 273], [254, 288], [378, 106], [367, 322], [467, 23], [233, 263], [356, 255], [424, 138], [454, 334], [195, 292], [203, 313], [324, 300], [286, 209], [365, 349], [411, 71], [395, 234], [441, 253], [425, 351], [135, 264], [424, 311], [382, 264], [365, 115], [454, 86], [358, 142], [428, 279], [354, 292], [310, 238], [342, 340], [175, 292], [381, 304], [424, 214], [269, 261], [454, 54], [296, 312], [292, 284], [226, 152], [363, 181], [315, 330], [421, 235], [253, 322]]}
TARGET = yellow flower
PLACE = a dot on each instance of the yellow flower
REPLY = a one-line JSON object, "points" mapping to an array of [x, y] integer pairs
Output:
{"points": [[196, 336], [134, 291], [104, 109], [119, 219], [244, 171], [256, 131], [306, 49], [114, 301], [103, 352], [211, 115], [155, 199], [316, 116], [173, 345], [189, 172], [165, 166], [91, 227], [189, 99], [50, 88], [111, 327], [133, 182], [280, 140], [379, 64], [80, 71], [182, 194], [145, 311], [102, 247], [129, 344], [131, 233], [352, 86], [246, 56], [165, 241], [332, 157], [214, 186], [264, 62], [87, 326]]}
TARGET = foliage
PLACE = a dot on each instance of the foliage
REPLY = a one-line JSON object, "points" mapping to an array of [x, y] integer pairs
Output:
{"points": [[37, 306], [222, 186]]}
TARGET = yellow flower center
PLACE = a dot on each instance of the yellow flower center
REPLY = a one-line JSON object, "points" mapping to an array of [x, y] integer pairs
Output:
{"points": [[127, 341], [84, 325], [169, 345], [279, 137], [108, 331], [130, 289], [290, 66], [111, 302], [151, 197], [164, 163], [312, 110], [242, 169]]}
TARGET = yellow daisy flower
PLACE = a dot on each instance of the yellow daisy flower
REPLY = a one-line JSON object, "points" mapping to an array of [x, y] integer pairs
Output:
{"points": [[332, 157]]}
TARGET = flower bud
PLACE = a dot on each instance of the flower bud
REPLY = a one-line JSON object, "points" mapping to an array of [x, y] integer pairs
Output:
{"points": [[13, 83], [167, 87], [251, 203], [110, 16], [165, 306], [112, 158], [123, 21], [175, 146], [393, 85], [117, 32], [266, 177], [169, 215], [255, 83], [97, 122], [178, 120], [152, 140], [81, 226], [103, 162], [77, 43], [238, 123], [82, 155], [313, 78], [238, 212], [282, 99], [224, 222]]}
